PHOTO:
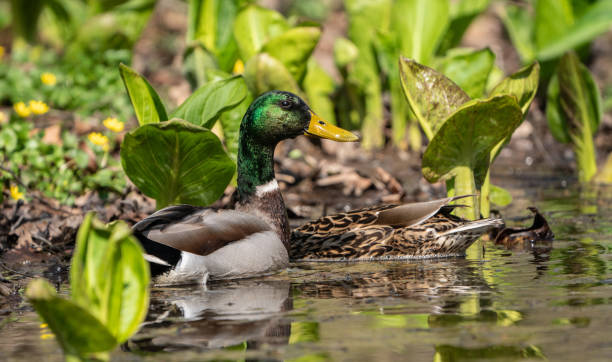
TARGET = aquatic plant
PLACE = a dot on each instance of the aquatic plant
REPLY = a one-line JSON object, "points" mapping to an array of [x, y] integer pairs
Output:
{"points": [[109, 292], [554, 26], [574, 111], [465, 134], [175, 158], [381, 31]]}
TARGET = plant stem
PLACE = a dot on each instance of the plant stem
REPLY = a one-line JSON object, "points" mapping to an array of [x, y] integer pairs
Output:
{"points": [[585, 153], [464, 185], [485, 192]]}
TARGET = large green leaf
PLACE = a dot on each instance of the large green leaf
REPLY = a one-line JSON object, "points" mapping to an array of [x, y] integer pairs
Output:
{"points": [[264, 73], [293, 48], [147, 104], [77, 330], [420, 25], [596, 20], [523, 85], [230, 123], [431, 96], [204, 106], [468, 136], [574, 111], [468, 69], [192, 167], [255, 26], [553, 18]]}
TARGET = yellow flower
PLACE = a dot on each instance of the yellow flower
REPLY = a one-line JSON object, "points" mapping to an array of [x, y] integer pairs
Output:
{"points": [[15, 194], [3, 117], [238, 67], [113, 124], [39, 107], [1, 51], [48, 79], [21, 109], [99, 139]]}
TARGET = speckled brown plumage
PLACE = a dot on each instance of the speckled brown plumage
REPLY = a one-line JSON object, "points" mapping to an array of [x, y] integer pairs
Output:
{"points": [[360, 235]]}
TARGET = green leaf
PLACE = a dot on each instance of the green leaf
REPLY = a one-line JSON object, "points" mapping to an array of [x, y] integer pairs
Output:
{"points": [[193, 169], [345, 52], [77, 331], [553, 18], [596, 20], [500, 196], [574, 111], [519, 25], [264, 73], [420, 25], [110, 277], [254, 26], [147, 104], [319, 87], [431, 96], [468, 69], [467, 137], [230, 123], [204, 106], [523, 85], [462, 13], [293, 48]]}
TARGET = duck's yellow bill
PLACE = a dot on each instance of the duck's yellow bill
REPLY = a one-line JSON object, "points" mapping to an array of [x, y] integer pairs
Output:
{"points": [[321, 128]]}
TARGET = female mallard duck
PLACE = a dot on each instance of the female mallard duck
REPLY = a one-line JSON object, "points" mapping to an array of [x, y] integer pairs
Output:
{"points": [[409, 231], [186, 243]]}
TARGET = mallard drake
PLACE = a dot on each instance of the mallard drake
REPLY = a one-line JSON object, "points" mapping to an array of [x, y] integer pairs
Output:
{"points": [[408, 231], [185, 243]]}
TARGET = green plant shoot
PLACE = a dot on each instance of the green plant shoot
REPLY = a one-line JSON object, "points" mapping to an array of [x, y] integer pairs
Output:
{"points": [[109, 284], [574, 111]]}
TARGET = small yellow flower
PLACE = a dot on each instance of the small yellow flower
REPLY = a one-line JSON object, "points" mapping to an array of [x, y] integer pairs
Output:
{"points": [[39, 107], [46, 335], [99, 139], [1, 51], [21, 109], [113, 124], [238, 67], [3, 117], [48, 78], [44, 325], [15, 194]]}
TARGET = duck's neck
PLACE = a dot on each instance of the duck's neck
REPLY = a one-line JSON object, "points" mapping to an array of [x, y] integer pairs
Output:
{"points": [[257, 190]]}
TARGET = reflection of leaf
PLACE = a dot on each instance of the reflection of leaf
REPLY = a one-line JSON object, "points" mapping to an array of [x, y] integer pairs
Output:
{"points": [[469, 70], [147, 104], [431, 95], [204, 106], [193, 169], [293, 48], [574, 111], [304, 332]]}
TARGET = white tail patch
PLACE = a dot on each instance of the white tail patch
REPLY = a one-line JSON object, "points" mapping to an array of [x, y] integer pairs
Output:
{"points": [[478, 226]]}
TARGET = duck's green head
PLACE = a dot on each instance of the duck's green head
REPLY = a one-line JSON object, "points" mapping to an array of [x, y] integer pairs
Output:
{"points": [[276, 115]]}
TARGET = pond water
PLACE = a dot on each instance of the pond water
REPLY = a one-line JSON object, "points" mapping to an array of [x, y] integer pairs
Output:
{"points": [[546, 301]]}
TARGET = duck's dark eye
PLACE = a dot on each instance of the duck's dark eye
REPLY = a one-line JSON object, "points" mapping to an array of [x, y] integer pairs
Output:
{"points": [[285, 104]]}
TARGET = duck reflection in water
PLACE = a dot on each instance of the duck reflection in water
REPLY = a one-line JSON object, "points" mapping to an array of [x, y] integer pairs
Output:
{"points": [[249, 312]]}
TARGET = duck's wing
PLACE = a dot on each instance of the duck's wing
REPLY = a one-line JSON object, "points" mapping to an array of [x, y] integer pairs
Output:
{"points": [[392, 215], [169, 231]]}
